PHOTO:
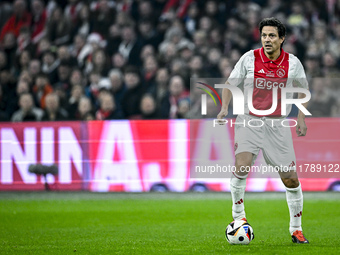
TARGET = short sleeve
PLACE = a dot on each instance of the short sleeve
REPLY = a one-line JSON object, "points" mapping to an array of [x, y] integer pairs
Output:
{"points": [[300, 75], [240, 70]]}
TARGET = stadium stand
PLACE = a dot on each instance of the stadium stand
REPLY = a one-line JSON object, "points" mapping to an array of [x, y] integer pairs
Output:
{"points": [[99, 45]]}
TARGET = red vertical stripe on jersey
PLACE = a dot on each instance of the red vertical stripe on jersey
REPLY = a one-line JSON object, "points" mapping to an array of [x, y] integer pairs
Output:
{"points": [[269, 74]]}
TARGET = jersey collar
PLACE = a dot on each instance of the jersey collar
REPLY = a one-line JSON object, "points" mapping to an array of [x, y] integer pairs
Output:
{"points": [[278, 61]]}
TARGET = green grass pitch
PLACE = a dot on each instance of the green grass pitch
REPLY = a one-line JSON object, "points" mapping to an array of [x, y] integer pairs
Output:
{"points": [[152, 223]]}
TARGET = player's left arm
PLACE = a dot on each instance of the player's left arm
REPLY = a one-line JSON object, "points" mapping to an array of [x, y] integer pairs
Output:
{"points": [[301, 127]]}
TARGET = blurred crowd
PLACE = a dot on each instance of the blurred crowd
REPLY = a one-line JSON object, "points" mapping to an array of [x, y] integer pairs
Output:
{"points": [[125, 59]]}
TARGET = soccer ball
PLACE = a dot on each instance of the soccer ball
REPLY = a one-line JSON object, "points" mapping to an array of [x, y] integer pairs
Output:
{"points": [[239, 232]]}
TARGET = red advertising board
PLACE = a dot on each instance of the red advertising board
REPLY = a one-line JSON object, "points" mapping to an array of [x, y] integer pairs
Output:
{"points": [[135, 156], [46, 143]]}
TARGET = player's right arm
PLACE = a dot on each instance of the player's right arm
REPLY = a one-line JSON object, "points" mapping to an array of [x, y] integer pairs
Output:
{"points": [[226, 98], [236, 78]]}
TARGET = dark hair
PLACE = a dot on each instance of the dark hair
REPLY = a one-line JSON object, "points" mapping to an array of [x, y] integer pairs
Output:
{"points": [[132, 69], [42, 75], [273, 22]]}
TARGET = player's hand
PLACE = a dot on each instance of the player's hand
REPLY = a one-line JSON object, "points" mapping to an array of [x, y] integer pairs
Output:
{"points": [[301, 128], [223, 113]]}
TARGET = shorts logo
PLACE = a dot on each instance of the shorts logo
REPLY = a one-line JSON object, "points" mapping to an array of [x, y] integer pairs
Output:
{"points": [[280, 72], [235, 146]]}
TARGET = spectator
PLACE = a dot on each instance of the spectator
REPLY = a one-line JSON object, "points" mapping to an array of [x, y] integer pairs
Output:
{"points": [[43, 45], [89, 116], [159, 91], [183, 108], [134, 91], [329, 62], [94, 42], [103, 16], [84, 109], [147, 50], [145, 11], [179, 67], [50, 65], [7, 83], [320, 39], [196, 67], [169, 104], [41, 89], [83, 22], [92, 89], [64, 55], [23, 61], [3, 112], [34, 68], [62, 94], [24, 42], [107, 109], [225, 67], [312, 67], [182, 7], [77, 92], [77, 78], [9, 48], [26, 76], [200, 40], [99, 63], [39, 18], [322, 101], [79, 41], [113, 40], [53, 111], [72, 9], [12, 105], [191, 19], [64, 73], [148, 107], [148, 34], [20, 18], [58, 28], [3, 61], [5, 12], [27, 111], [205, 24], [117, 86], [118, 61], [176, 37], [130, 47], [214, 55], [150, 67], [123, 19]]}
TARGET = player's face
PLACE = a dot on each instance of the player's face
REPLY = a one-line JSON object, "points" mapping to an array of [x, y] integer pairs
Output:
{"points": [[270, 40]]}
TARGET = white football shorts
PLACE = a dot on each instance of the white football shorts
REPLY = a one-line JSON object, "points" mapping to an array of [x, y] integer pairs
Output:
{"points": [[273, 138]]}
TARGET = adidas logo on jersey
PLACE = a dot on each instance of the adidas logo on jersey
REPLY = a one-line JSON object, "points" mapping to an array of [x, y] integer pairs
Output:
{"points": [[261, 71]]}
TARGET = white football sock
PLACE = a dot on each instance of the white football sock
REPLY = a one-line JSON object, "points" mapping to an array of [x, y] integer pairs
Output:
{"points": [[295, 204], [237, 189]]}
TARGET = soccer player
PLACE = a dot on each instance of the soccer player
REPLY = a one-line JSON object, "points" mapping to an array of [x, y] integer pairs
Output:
{"points": [[262, 70]]}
